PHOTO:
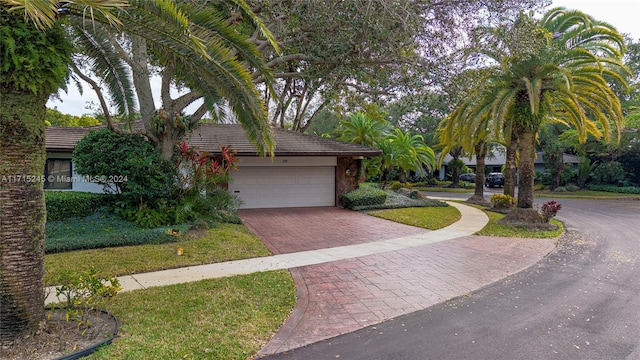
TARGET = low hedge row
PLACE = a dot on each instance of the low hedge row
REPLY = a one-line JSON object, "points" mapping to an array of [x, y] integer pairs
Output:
{"points": [[363, 197], [67, 204], [102, 230], [615, 189]]}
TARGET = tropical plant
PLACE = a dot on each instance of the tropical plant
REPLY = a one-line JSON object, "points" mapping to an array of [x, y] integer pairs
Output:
{"points": [[556, 70], [361, 129], [405, 152]]}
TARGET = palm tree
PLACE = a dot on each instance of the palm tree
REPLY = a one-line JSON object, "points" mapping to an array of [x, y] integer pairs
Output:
{"points": [[359, 128], [405, 152], [39, 55], [560, 72], [223, 76]]}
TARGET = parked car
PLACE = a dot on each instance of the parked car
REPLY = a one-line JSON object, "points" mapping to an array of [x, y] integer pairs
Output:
{"points": [[470, 177], [494, 179]]}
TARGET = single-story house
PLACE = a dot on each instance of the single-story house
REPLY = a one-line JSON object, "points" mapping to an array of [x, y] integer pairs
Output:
{"points": [[306, 171], [496, 159]]}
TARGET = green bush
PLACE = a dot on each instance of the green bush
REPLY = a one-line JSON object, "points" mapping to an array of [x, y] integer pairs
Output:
{"points": [[609, 173], [102, 230], [572, 187], [67, 204], [502, 201], [360, 197], [615, 189], [132, 164], [397, 185]]}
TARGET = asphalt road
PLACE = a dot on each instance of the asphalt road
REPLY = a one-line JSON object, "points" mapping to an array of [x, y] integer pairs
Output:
{"points": [[581, 302]]}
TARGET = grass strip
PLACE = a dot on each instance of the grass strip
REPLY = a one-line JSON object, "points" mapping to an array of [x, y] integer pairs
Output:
{"points": [[222, 243], [228, 318], [432, 218]]}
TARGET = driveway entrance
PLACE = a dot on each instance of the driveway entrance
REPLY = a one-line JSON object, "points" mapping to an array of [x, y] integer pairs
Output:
{"points": [[298, 229]]}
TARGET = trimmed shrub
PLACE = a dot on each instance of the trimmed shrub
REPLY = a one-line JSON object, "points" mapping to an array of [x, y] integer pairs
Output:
{"points": [[360, 197], [103, 230], [615, 189], [502, 201], [572, 187], [67, 204], [397, 185]]}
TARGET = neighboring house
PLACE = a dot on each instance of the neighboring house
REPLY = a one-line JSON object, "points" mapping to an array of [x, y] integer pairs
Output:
{"points": [[495, 161], [306, 170]]}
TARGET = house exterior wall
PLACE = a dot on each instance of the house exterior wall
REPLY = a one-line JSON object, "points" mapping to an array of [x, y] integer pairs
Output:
{"points": [[78, 182]]}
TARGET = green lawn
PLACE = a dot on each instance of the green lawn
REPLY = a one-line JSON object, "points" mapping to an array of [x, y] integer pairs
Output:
{"points": [[228, 318], [444, 189], [223, 243], [495, 229], [431, 218]]}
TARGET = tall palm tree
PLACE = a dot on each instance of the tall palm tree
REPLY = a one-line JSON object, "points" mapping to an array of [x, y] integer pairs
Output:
{"points": [[38, 51], [560, 70]]}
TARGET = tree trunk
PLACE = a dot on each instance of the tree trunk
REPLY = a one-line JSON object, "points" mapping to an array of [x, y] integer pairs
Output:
{"points": [[22, 212], [481, 154], [526, 170], [510, 168]]}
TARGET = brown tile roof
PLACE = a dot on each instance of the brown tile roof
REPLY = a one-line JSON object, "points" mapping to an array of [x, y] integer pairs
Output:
{"points": [[210, 137]]}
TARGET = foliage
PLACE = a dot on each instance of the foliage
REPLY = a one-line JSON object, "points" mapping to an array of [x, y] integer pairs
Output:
{"points": [[67, 204], [494, 228], [84, 293], [614, 189], [56, 118], [198, 196], [502, 201], [360, 197], [361, 129], [610, 173], [549, 210], [397, 185], [540, 72], [25, 66], [102, 230], [201, 48], [141, 175], [340, 53], [404, 152], [572, 188]]}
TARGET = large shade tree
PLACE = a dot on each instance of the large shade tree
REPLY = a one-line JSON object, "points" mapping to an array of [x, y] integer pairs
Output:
{"points": [[560, 71], [36, 50]]}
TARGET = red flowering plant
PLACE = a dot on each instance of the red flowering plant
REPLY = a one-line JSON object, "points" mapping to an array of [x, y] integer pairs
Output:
{"points": [[550, 209], [200, 172]]}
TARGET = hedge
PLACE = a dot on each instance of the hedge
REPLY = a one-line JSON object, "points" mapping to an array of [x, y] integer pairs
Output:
{"points": [[360, 197], [67, 204], [103, 230], [615, 189]]}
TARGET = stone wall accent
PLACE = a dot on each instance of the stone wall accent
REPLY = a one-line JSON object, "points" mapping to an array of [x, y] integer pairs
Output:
{"points": [[346, 175]]}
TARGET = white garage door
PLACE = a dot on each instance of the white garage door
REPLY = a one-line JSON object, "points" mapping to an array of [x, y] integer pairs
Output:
{"points": [[282, 186]]}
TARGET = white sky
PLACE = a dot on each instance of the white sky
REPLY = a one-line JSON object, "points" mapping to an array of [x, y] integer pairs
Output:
{"points": [[623, 14]]}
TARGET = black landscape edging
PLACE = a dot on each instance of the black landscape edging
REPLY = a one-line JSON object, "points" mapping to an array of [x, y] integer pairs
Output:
{"points": [[90, 350]]}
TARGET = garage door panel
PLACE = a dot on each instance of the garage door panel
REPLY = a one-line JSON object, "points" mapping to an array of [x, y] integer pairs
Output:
{"points": [[293, 186]]}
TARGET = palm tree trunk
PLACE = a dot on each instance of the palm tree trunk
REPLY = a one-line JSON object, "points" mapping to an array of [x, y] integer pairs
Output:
{"points": [[481, 154], [526, 170], [22, 212], [510, 168]]}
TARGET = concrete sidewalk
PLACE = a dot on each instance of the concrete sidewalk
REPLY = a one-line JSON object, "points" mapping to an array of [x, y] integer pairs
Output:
{"points": [[471, 221]]}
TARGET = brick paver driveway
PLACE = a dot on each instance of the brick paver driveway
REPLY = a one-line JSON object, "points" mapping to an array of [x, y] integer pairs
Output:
{"points": [[346, 295]]}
